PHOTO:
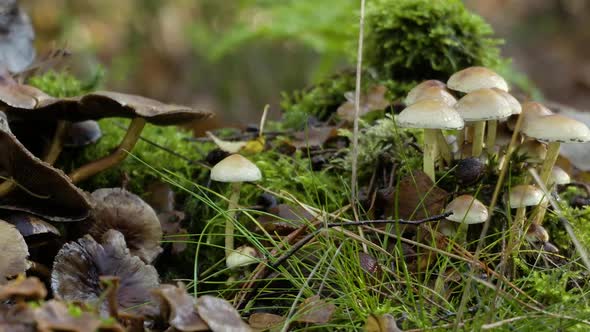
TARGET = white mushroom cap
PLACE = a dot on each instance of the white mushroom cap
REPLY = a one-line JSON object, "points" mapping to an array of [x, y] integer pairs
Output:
{"points": [[524, 195], [419, 89], [559, 176], [242, 256], [430, 114], [474, 78], [515, 106], [532, 110], [467, 209], [483, 104], [235, 168], [557, 128], [435, 92]]}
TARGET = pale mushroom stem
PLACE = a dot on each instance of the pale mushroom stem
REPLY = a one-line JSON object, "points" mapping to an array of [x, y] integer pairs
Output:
{"points": [[552, 154], [56, 143], [491, 135], [460, 142], [443, 147], [430, 152], [478, 135], [127, 144], [231, 213]]}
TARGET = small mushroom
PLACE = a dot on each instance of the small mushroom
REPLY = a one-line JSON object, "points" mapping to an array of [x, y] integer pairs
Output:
{"points": [[559, 177], [242, 256], [79, 265], [474, 78], [118, 209], [433, 92], [535, 151], [522, 196], [515, 109], [432, 116], [480, 106], [14, 252], [466, 209], [234, 169], [32, 226], [179, 308], [537, 233], [33, 186], [419, 89], [220, 315], [20, 290], [57, 316], [82, 133]]}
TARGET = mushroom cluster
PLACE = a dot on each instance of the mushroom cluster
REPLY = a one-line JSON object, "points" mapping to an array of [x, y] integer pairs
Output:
{"points": [[475, 105]]}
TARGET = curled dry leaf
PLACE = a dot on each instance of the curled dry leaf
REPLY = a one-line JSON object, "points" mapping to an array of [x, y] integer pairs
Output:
{"points": [[118, 209], [220, 315], [227, 146], [29, 289], [55, 316], [179, 308], [78, 266], [14, 252], [47, 192], [315, 310], [264, 320]]}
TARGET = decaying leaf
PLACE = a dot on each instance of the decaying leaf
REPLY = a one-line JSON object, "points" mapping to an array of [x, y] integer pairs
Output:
{"points": [[16, 318], [314, 136], [29, 289], [14, 252], [315, 310], [220, 315], [179, 308], [417, 197], [265, 321], [285, 218], [118, 209], [373, 100], [78, 266]]}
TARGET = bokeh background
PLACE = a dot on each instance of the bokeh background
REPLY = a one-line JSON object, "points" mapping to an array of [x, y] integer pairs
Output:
{"points": [[233, 57]]}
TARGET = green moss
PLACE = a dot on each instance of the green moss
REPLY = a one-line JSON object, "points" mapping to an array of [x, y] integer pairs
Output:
{"points": [[63, 84], [139, 175], [413, 40]]}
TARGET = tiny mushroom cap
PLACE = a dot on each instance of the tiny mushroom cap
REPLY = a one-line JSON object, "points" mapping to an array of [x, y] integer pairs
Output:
{"points": [[79, 134], [474, 78], [557, 128], [559, 176], [420, 88], [483, 104], [467, 209], [537, 233], [524, 195], [435, 92], [242, 256], [14, 252], [235, 168], [535, 151], [514, 104], [430, 114]]}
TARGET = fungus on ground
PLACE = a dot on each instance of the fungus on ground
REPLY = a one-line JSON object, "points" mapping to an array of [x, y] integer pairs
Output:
{"points": [[533, 151], [432, 116], [466, 209], [234, 169], [522, 196], [220, 315], [480, 106], [419, 89], [431, 92], [179, 308], [23, 289], [559, 177], [242, 256], [32, 226], [33, 186], [14, 251], [537, 233], [118, 209], [515, 109], [57, 316], [78, 266], [475, 78]]}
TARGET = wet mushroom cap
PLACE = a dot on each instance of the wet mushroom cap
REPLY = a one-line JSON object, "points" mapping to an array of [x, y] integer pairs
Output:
{"points": [[235, 168], [49, 192], [525, 195], [514, 104], [419, 89], [473, 78], [532, 110], [557, 128], [121, 210], [78, 266], [14, 252], [430, 114], [483, 104], [220, 315], [435, 92], [242, 256], [178, 308], [467, 209], [559, 176]]}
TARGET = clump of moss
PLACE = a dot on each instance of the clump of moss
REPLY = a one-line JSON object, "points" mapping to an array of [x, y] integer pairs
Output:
{"points": [[413, 40], [62, 84]]}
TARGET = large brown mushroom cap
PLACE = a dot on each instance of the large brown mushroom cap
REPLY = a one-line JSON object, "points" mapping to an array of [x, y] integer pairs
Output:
{"points": [[118, 209], [78, 266], [28, 103], [179, 308], [49, 192], [14, 252]]}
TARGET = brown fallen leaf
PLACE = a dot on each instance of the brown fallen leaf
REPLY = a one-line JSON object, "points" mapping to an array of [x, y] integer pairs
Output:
{"points": [[264, 320], [16, 318], [285, 218], [29, 289], [56, 316], [381, 323], [314, 136], [179, 308], [315, 310], [417, 196]]}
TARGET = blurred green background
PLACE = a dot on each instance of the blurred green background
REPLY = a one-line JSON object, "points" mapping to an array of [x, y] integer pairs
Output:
{"points": [[235, 56]]}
